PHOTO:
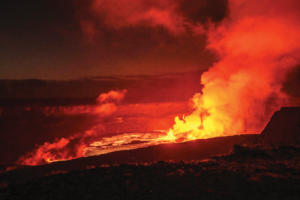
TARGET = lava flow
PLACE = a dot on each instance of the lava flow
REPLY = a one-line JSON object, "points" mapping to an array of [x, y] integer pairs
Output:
{"points": [[74, 146], [256, 48]]}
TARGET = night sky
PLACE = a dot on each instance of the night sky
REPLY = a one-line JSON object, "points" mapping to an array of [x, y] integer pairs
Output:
{"points": [[70, 39]]}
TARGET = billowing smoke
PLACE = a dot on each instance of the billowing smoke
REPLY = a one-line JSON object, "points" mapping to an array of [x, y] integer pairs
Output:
{"points": [[74, 146], [131, 12], [177, 16], [257, 45]]}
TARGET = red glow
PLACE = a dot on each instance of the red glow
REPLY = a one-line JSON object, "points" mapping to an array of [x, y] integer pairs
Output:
{"points": [[131, 12], [60, 150], [241, 91]]}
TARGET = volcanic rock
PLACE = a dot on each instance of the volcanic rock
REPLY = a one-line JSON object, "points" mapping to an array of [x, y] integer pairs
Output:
{"points": [[283, 128]]}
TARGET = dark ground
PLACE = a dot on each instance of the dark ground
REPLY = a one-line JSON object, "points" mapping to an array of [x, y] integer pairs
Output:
{"points": [[268, 167], [245, 173]]}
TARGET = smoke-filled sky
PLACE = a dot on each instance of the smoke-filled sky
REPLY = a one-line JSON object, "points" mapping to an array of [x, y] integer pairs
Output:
{"points": [[54, 39]]}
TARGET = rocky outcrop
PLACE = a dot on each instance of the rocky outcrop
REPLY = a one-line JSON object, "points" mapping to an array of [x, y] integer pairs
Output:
{"points": [[283, 128]]}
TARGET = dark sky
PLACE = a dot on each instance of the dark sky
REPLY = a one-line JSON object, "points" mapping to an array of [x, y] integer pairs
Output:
{"points": [[54, 39]]}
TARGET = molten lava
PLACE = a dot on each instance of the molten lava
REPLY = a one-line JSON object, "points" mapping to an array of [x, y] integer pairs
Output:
{"points": [[73, 146]]}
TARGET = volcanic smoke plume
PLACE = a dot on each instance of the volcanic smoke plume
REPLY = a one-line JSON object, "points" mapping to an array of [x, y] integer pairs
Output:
{"points": [[257, 45]]}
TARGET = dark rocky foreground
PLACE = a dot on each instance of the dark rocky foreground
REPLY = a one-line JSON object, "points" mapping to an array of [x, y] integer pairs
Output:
{"points": [[267, 167], [283, 128], [245, 173]]}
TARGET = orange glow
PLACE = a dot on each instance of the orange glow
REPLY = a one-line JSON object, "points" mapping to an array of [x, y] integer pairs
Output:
{"points": [[126, 142], [243, 89], [44, 155], [127, 119], [61, 149]]}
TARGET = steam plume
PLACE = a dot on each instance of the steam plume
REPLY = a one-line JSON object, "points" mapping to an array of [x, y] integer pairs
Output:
{"points": [[257, 45]]}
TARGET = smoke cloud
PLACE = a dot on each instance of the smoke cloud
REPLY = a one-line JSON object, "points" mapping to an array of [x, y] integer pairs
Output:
{"points": [[176, 16], [131, 12], [257, 46]]}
